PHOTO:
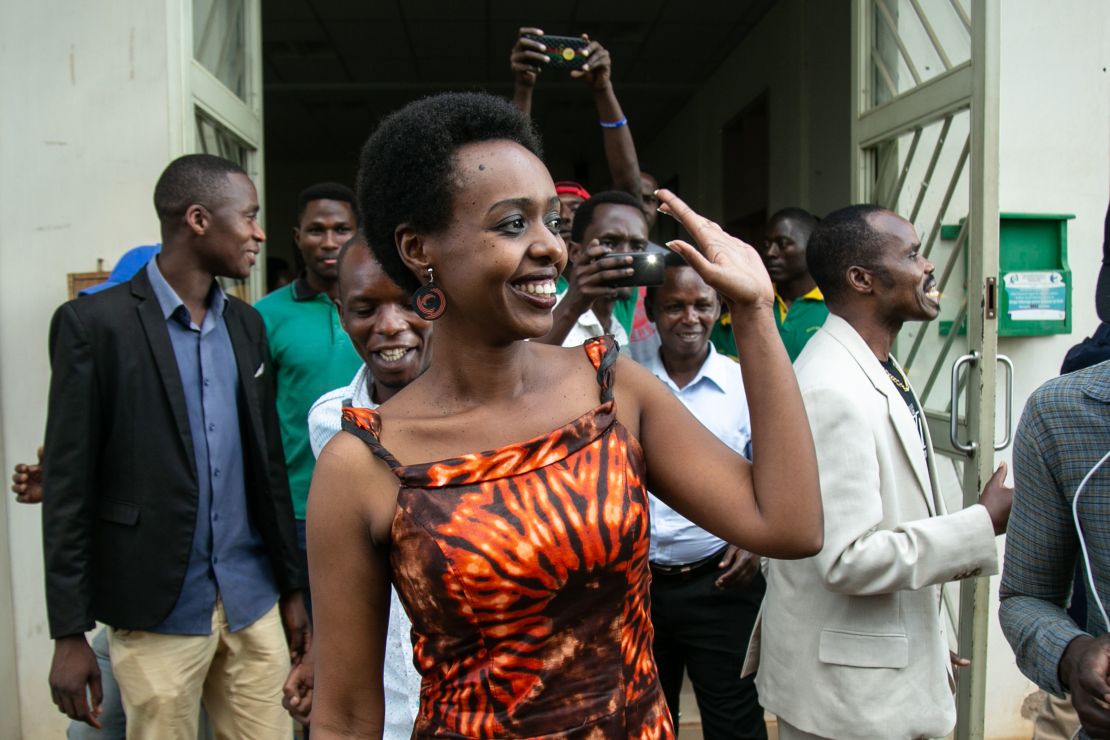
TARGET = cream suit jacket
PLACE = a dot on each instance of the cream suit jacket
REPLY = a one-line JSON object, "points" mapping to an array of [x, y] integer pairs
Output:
{"points": [[851, 643]]}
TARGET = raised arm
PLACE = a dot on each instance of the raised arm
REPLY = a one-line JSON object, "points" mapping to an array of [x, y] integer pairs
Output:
{"points": [[347, 532], [526, 60], [616, 136], [773, 506]]}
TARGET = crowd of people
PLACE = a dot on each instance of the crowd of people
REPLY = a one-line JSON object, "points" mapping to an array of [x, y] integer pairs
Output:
{"points": [[466, 476]]}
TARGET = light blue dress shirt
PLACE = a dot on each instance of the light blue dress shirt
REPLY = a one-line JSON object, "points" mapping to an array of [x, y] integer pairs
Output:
{"points": [[716, 398], [228, 557]]}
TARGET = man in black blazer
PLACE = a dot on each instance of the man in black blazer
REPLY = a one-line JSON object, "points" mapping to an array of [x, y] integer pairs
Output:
{"points": [[166, 510]]}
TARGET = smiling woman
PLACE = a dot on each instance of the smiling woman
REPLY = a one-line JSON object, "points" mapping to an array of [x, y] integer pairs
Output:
{"points": [[502, 491]]}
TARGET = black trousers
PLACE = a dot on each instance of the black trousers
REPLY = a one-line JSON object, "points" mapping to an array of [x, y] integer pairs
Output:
{"points": [[705, 630]]}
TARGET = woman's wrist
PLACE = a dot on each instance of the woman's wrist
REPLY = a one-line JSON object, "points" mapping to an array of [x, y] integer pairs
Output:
{"points": [[760, 306], [749, 318]]}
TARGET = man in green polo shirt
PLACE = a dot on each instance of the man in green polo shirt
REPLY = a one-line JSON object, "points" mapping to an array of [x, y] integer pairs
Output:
{"points": [[799, 306], [310, 352]]}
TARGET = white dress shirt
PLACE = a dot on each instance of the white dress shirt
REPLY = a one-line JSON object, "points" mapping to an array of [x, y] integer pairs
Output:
{"points": [[589, 326], [402, 682], [716, 398]]}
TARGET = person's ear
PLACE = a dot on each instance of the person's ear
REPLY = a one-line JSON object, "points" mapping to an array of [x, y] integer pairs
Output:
{"points": [[860, 279], [297, 236], [413, 248], [197, 219]]}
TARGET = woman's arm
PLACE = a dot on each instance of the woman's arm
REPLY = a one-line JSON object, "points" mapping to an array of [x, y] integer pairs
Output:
{"points": [[349, 511], [773, 506]]}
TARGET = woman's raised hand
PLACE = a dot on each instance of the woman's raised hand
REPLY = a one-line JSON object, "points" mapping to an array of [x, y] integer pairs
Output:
{"points": [[725, 263]]}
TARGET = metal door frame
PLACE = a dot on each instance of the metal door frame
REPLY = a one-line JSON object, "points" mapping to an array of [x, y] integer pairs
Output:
{"points": [[196, 94], [973, 85]]}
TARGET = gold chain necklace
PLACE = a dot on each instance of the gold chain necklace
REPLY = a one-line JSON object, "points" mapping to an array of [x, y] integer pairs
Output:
{"points": [[897, 381]]}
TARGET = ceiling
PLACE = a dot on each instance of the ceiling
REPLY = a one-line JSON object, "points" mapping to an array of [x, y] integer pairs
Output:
{"points": [[332, 68]]}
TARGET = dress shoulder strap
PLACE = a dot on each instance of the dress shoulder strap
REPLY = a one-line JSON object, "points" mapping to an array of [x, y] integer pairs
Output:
{"points": [[603, 352], [366, 424]]}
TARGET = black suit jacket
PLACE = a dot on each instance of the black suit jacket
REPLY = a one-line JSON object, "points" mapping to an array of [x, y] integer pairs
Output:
{"points": [[120, 487]]}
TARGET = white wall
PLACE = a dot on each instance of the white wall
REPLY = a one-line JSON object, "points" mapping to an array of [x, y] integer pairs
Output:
{"points": [[86, 129], [1054, 150]]}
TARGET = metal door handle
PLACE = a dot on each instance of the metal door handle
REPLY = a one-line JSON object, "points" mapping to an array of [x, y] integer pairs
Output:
{"points": [[1009, 403], [954, 418]]}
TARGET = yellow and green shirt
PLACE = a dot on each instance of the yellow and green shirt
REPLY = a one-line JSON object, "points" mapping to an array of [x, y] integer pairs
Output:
{"points": [[798, 322]]}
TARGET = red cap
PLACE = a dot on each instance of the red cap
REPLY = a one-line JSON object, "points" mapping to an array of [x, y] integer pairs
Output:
{"points": [[570, 187]]}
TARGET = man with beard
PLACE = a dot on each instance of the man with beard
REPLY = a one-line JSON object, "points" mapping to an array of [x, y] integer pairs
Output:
{"points": [[862, 619], [393, 342]]}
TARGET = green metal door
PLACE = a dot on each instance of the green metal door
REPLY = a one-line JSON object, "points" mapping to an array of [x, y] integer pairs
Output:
{"points": [[925, 145]]}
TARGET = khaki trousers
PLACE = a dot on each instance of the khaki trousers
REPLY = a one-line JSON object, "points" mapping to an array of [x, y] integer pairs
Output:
{"points": [[1057, 719], [239, 675]]}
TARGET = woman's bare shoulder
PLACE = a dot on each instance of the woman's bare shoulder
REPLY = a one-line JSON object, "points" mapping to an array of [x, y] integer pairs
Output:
{"points": [[350, 479]]}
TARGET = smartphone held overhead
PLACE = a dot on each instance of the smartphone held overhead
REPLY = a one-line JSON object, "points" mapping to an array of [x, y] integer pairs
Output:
{"points": [[564, 52]]}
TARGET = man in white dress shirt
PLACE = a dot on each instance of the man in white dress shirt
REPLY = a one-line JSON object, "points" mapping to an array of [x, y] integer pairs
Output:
{"points": [[394, 345], [607, 227], [705, 594]]}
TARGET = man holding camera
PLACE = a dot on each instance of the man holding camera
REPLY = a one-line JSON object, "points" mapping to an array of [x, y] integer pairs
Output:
{"points": [[607, 228]]}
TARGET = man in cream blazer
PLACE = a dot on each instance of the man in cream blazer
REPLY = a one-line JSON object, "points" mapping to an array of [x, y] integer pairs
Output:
{"points": [[851, 642]]}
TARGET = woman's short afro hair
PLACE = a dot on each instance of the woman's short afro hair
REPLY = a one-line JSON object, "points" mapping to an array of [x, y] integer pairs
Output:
{"points": [[406, 170]]}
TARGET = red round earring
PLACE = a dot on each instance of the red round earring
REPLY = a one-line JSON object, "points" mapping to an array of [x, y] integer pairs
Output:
{"points": [[428, 301]]}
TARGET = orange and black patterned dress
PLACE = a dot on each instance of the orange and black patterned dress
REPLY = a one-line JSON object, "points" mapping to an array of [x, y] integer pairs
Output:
{"points": [[524, 571]]}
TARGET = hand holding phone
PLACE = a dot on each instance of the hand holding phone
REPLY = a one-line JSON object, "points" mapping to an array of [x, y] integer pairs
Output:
{"points": [[594, 268], [562, 52], [527, 58]]}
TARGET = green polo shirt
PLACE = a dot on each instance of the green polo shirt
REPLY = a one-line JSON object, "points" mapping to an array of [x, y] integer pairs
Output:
{"points": [[625, 309], [798, 322], [311, 355]]}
